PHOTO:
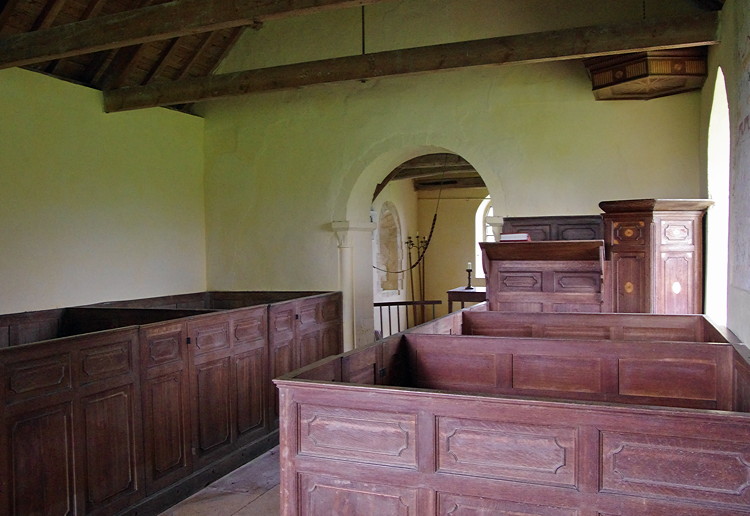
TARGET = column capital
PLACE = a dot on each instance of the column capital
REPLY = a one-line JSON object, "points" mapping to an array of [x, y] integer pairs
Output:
{"points": [[344, 229]]}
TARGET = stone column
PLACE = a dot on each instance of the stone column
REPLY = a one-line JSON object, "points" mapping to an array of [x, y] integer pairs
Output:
{"points": [[357, 298]]}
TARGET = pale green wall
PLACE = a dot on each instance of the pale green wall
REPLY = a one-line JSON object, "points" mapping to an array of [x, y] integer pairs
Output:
{"points": [[93, 206], [282, 166]]}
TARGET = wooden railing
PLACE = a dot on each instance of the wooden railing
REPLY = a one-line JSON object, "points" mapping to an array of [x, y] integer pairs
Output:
{"points": [[397, 316]]}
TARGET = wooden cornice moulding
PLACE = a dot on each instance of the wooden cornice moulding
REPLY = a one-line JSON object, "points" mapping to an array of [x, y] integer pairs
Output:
{"points": [[648, 205], [559, 45]]}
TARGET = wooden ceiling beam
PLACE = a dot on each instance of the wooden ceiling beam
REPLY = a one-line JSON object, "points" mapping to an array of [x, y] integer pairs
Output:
{"points": [[153, 23], [557, 45]]}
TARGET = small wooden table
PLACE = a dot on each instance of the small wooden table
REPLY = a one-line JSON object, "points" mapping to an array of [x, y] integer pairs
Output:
{"points": [[466, 295]]}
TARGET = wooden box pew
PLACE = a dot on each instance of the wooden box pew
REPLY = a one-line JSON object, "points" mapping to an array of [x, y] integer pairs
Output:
{"points": [[127, 407], [448, 424], [638, 327]]}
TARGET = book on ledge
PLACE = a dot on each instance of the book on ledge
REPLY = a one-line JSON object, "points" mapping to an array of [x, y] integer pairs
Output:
{"points": [[515, 237]]}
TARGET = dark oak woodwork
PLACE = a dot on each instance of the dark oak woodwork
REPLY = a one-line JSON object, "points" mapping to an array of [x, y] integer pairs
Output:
{"points": [[507, 425], [548, 276], [70, 416], [151, 23], [301, 332], [563, 227], [655, 247], [557, 45], [128, 420]]}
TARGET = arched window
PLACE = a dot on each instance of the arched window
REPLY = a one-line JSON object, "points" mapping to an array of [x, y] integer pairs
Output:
{"points": [[717, 234], [483, 233]]}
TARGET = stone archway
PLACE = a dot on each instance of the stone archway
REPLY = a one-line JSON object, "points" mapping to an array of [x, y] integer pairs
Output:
{"points": [[354, 226]]}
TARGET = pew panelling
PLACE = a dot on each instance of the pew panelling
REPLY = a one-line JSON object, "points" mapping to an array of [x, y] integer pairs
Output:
{"points": [[130, 420], [509, 425]]}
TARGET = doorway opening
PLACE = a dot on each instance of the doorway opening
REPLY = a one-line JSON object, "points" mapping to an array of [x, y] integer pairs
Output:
{"points": [[436, 197]]}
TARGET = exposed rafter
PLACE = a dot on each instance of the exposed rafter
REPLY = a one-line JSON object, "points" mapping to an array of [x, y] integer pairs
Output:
{"points": [[153, 23], [557, 45]]}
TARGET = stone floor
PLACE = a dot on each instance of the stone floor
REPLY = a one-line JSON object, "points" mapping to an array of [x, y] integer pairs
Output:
{"points": [[250, 490]]}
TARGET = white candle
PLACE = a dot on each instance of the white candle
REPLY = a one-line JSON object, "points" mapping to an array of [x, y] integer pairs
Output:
{"points": [[468, 266]]}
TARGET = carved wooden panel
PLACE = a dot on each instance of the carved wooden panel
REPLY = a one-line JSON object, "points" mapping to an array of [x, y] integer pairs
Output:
{"points": [[676, 288], [166, 404], [110, 446], [40, 476], [507, 451], [166, 425], [251, 328], [677, 232], [450, 504], [556, 373], [250, 369], [321, 495], [567, 227], [520, 281], [250, 373], [630, 232], [212, 406], [689, 468], [38, 377], [577, 282], [163, 345], [211, 387], [209, 337], [374, 437], [629, 280], [105, 361], [579, 231], [668, 378]]}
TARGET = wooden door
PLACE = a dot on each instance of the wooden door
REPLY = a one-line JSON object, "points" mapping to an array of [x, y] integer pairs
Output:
{"points": [[166, 409], [211, 394], [282, 320], [250, 373]]}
